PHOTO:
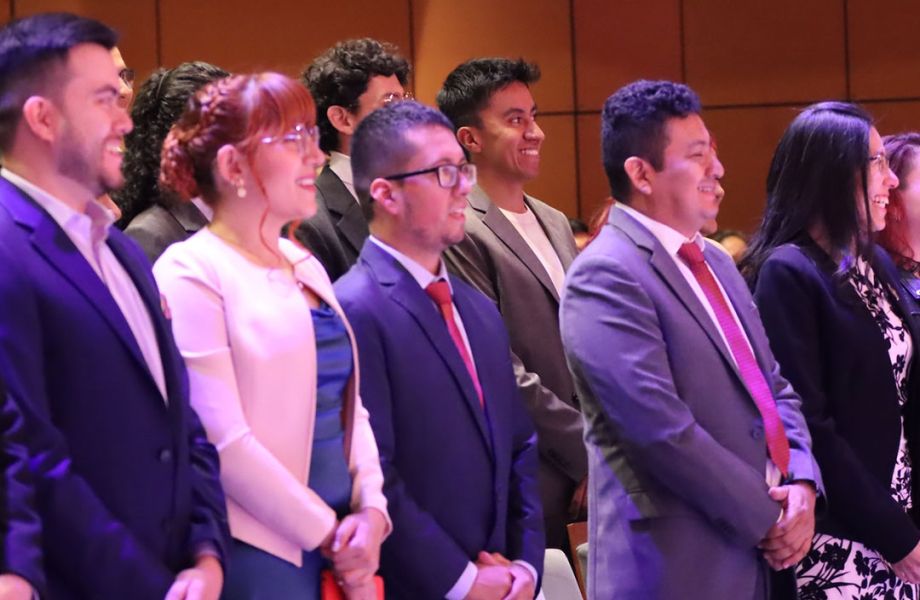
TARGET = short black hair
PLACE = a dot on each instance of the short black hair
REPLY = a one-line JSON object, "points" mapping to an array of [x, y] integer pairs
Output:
{"points": [[469, 87], [380, 146], [159, 103], [340, 75], [31, 49], [633, 124]]}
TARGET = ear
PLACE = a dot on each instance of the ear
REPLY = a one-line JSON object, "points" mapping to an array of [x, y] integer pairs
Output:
{"points": [[640, 174], [381, 191], [229, 165], [470, 139], [342, 119], [41, 117]]}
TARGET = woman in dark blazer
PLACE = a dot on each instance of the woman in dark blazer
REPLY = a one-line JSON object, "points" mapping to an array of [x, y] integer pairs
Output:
{"points": [[842, 333]]}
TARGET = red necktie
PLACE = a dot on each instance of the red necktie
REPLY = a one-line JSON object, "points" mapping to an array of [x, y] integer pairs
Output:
{"points": [[777, 443], [440, 293]]}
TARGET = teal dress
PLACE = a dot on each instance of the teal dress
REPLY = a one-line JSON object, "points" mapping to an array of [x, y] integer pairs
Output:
{"points": [[255, 574]]}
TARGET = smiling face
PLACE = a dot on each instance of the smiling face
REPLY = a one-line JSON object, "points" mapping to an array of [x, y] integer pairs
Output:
{"points": [[287, 167], [686, 192], [880, 180], [509, 138], [91, 123]]}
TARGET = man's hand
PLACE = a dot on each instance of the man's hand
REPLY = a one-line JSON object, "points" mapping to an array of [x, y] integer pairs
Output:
{"points": [[493, 582], [14, 587], [789, 540], [523, 587], [201, 582], [355, 548], [908, 568]]}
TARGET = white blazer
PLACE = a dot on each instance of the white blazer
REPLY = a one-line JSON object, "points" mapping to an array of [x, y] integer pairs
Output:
{"points": [[247, 337]]}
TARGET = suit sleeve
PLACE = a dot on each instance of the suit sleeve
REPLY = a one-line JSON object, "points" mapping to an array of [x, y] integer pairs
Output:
{"points": [[787, 296], [316, 234], [559, 425], [20, 550], [619, 357], [251, 475], [89, 547], [417, 548]]}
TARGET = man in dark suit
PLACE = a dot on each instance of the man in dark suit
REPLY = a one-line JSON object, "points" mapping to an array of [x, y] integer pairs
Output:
{"points": [[21, 572], [127, 484], [701, 473], [457, 448], [516, 251], [348, 81]]}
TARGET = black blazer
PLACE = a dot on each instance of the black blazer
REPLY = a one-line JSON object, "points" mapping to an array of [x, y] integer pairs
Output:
{"points": [[336, 233], [157, 227], [832, 351]]}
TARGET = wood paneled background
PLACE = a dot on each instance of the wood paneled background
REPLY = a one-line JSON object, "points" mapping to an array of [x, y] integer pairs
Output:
{"points": [[753, 64]]}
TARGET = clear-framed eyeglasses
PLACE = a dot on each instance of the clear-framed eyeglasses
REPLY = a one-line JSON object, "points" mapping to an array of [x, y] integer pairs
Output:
{"points": [[395, 97], [880, 160], [301, 138], [448, 175]]}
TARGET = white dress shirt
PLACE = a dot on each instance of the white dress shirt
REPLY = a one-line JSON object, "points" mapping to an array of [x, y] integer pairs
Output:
{"points": [[530, 229], [424, 278], [340, 164], [88, 231]]}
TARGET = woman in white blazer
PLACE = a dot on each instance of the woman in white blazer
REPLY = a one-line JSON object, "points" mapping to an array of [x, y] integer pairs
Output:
{"points": [[272, 364]]}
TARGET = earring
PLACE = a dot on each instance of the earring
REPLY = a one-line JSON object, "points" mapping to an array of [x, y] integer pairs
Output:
{"points": [[240, 188]]}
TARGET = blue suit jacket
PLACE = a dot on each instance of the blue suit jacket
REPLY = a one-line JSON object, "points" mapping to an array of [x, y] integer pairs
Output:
{"points": [[458, 479], [128, 485]]}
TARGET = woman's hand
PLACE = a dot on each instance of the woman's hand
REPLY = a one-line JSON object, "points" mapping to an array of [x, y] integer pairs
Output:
{"points": [[355, 549], [908, 568]]}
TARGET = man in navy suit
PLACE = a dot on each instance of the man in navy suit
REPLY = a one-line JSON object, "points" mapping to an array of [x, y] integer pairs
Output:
{"points": [[127, 484], [457, 448]]}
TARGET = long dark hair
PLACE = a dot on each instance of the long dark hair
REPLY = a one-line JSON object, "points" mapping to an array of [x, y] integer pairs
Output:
{"points": [[818, 168], [159, 103]]}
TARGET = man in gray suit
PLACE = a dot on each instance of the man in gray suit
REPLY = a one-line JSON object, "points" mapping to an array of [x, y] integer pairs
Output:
{"points": [[516, 251], [348, 82], [701, 473]]}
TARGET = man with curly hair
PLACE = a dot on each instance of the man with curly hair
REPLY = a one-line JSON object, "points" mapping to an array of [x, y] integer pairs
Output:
{"points": [[348, 82]]}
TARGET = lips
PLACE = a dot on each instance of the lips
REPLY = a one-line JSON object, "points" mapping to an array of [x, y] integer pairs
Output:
{"points": [[881, 201], [534, 152], [710, 188], [305, 182]]}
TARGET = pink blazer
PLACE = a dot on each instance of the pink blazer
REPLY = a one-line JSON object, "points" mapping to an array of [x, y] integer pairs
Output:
{"points": [[246, 334]]}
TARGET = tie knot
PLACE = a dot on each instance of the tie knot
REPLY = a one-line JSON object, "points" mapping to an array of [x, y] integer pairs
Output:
{"points": [[691, 254], [439, 291]]}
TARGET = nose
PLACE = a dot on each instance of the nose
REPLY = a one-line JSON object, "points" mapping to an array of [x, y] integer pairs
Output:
{"points": [[313, 154], [464, 185], [122, 122], [716, 168], [891, 179], [534, 132]]}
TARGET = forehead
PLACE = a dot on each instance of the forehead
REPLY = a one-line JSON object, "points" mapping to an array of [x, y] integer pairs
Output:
{"points": [[875, 141], [514, 96], [379, 86], [92, 63], [684, 132], [433, 144], [117, 57]]}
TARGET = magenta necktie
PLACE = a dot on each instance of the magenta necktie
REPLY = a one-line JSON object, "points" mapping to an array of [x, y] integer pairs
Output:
{"points": [[440, 293], [777, 443]]}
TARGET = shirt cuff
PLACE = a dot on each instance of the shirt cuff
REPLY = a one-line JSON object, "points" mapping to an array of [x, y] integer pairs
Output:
{"points": [[207, 549], [463, 586], [529, 567]]}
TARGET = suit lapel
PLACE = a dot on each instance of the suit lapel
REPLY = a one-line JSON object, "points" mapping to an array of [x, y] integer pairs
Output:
{"points": [[559, 237], [53, 244], [493, 218], [348, 216], [405, 291], [188, 216]]}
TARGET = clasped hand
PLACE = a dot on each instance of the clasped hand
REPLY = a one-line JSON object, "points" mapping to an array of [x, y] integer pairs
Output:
{"points": [[354, 550], [497, 578], [789, 539]]}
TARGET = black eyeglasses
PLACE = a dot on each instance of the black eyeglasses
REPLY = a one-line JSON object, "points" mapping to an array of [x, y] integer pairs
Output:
{"points": [[448, 175], [127, 75]]}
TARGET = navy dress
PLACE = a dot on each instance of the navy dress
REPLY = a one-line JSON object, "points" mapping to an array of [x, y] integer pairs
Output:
{"points": [[257, 575]]}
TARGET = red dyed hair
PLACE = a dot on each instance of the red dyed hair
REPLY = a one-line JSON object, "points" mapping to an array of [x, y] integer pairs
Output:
{"points": [[237, 110], [902, 150]]}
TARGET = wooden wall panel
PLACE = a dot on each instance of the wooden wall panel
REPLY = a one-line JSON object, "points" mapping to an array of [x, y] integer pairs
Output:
{"points": [[285, 37], [6, 11], [134, 20], [449, 33], [556, 184], [747, 138], [618, 41], [594, 187], [895, 117], [754, 53], [884, 54]]}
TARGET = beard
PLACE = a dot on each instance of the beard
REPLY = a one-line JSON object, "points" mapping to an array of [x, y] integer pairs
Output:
{"points": [[82, 161]]}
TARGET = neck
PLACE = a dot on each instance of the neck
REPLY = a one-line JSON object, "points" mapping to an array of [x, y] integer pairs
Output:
{"points": [[240, 229], [44, 175], [503, 192], [653, 211], [430, 260]]}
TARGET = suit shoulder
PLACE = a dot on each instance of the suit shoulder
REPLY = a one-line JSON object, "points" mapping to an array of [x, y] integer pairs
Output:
{"points": [[547, 211], [356, 287], [475, 297]]}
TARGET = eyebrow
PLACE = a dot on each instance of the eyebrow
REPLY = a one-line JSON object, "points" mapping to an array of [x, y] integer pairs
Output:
{"points": [[696, 143]]}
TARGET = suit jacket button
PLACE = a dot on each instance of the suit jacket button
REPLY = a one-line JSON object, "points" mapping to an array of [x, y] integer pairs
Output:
{"points": [[165, 455], [757, 432]]}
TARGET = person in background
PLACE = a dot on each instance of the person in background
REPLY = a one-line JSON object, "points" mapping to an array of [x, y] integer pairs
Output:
{"points": [[272, 361], [125, 96], [901, 236], [581, 233], [458, 449], [733, 241], [348, 81], [154, 217], [845, 338], [128, 487]]}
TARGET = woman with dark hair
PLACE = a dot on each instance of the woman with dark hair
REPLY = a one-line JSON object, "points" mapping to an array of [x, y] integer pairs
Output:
{"points": [[901, 236], [842, 334], [151, 215], [272, 361]]}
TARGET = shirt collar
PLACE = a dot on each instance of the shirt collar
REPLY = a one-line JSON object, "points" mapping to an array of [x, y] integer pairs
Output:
{"points": [[670, 238], [341, 166], [421, 275], [97, 219]]}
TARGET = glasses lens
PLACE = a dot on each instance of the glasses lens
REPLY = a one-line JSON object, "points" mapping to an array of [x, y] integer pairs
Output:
{"points": [[447, 176], [468, 171]]}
